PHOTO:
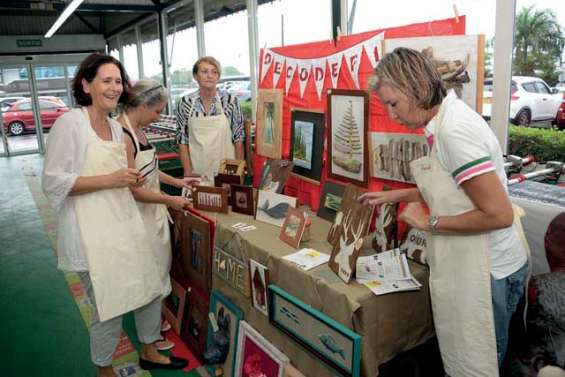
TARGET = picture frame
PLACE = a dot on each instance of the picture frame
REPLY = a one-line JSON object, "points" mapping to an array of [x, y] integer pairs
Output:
{"points": [[242, 199], [307, 143], [348, 125], [293, 227], [336, 345], [225, 181], [391, 154], [274, 175], [257, 353], [232, 270], [269, 122], [208, 198], [197, 251], [174, 306], [330, 200], [232, 167], [227, 316], [195, 328], [272, 207], [259, 279]]}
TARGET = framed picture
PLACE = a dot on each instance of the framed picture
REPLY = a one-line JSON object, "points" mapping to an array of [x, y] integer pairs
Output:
{"points": [[307, 141], [197, 251], [272, 207], [348, 119], [259, 278], [256, 356], [242, 200], [208, 198], [227, 317], [330, 200], [269, 122], [225, 181], [174, 306], [274, 175], [333, 343], [459, 59], [232, 167], [195, 329], [232, 270], [293, 227], [391, 154]]}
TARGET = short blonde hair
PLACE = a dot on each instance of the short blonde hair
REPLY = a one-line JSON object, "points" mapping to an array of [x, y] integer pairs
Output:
{"points": [[148, 92], [412, 73], [209, 60]]}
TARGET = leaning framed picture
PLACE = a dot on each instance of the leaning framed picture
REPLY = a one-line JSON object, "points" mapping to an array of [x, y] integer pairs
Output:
{"points": [[209, 198], [274, 175], [259, 278], [293, 227], [242, 199], [348, 122], [197, 251], [256, 356], [227, 317], [307, 142], [333, 343], [330, 200], [272, 207], [174, 306], [269, 122], [232, 167]]}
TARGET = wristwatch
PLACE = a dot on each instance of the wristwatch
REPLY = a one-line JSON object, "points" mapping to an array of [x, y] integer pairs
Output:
{"points": [[432, 224]]}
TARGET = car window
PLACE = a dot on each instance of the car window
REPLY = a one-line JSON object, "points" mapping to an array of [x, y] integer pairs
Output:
{"points": [[513, 87], [43, 105], [542, 88], [25, 106], [529, 87]]}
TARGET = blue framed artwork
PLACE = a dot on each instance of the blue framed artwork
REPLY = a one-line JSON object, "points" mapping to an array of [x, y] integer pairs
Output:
{"points": [[221, 344], [333, 343]]}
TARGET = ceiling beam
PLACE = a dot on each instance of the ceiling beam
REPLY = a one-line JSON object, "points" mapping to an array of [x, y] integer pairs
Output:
{"points": [[87, 23], [127, 25]]}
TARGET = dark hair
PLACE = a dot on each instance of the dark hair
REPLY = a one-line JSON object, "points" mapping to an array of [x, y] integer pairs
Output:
{"points": [[88, 69]]}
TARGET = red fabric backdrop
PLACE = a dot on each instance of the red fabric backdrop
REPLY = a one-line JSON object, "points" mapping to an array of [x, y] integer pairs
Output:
{"points": [[307, 192]]}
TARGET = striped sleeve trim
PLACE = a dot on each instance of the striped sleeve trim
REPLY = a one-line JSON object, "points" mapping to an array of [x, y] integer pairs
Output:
{"points": [[472, 169]]}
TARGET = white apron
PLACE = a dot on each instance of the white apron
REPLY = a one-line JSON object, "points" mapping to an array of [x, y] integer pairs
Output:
{"points": [[209, 142], [459, 277], [155, 215], [121, 263]]}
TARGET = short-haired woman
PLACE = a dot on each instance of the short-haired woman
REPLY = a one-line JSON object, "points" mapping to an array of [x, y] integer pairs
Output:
{"points": [[209, 123], [101, 234], [478, 262]]}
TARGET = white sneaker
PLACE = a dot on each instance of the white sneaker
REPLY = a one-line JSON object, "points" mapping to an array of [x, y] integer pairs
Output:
{"points": [[164, 345]]}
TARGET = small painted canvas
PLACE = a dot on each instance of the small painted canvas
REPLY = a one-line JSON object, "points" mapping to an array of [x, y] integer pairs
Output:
{"points": [[307, 139], [274, 175], [272, 207], [259, 277], [330, 200], [242, 199], [269, 122], [256, 356], [293, 227], [210, 198]]}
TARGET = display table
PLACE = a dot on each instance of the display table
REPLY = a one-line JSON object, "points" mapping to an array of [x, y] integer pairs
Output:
{"points": [[388, 324]]}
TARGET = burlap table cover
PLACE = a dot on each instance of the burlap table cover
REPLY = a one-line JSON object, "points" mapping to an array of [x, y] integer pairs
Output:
{"points": [[388, 324]]}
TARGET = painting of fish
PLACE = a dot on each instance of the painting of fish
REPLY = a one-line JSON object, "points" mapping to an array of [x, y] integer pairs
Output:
{"points": [[272, 207], [329, 342]]}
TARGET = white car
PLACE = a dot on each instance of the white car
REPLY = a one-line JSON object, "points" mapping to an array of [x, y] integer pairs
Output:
{"points": [[531, 100]]}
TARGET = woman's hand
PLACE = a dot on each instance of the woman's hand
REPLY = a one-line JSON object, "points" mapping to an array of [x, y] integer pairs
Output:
{"points": [[186, 182], [178, 202], [378, 197], [125, 177], [415, 215]]}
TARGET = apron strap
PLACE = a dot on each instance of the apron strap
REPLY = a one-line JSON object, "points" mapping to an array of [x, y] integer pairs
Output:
{"points": [[132, 131]]}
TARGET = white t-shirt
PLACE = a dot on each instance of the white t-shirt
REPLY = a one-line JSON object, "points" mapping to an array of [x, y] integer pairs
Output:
{"points": [[469, 148]]}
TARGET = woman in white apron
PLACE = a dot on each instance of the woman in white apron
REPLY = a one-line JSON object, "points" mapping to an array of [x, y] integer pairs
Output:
{"points": [[478, 262], [209, 123], [101, 234], [144, 106]]}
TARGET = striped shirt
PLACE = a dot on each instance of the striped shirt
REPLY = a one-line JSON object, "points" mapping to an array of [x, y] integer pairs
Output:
{"points": [[191, 106]]}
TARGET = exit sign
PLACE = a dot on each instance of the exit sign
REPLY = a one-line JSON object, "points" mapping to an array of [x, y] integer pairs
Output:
{"points": [[29, 42]]}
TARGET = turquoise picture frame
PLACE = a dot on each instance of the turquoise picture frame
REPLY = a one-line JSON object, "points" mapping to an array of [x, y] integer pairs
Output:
{"points": [[217, 301], [333, 343]]}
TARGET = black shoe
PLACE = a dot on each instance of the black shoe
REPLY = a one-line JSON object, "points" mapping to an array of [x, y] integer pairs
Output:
{"points": [[176, 363]]}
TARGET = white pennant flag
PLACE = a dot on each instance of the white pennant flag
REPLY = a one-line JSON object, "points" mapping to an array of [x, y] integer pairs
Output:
{"points": [[266, 62], [304, 67], [353, 59], [372, 48], [278, 62], [334, 62], [319, 74], [289, 72]]}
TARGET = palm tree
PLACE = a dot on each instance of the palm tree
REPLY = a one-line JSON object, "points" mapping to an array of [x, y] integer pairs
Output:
{"points": [[538, 43]]}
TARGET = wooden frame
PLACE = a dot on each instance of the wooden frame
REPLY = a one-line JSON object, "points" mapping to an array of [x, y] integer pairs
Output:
{"points": [[274, 175], [197, 251], [333, 343], [307, 139], [333, 191], [293, 227], [232, 270], [269, 122], [225, 181], [174, 306], [232, 167], [208, 198], [220, 305], [259, 281], [272, 207], [348, 125], [254, 350], [242, 199]]}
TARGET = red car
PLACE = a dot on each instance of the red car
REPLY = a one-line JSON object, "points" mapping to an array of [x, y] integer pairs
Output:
{"points": [[19, 117], [560, 117]]}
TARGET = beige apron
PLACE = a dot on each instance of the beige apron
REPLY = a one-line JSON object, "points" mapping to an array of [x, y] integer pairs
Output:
{"points": [[209, 142], [121, 263], [459, 277], [155, 215]]}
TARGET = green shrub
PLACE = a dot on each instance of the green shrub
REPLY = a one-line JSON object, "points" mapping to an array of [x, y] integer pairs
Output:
{"points": [[246, 109], [543, 144]]}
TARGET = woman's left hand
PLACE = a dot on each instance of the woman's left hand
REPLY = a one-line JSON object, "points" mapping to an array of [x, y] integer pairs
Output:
{"points": [[187, 182], [415, 215]]}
